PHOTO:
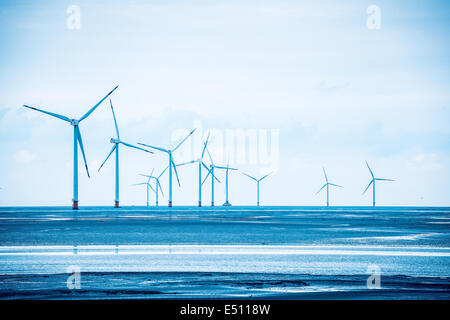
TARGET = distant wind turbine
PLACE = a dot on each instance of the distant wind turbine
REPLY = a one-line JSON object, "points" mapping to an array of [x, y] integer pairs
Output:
{"points": [[76, 141], [257, 184], [157, 184], [171, 162], [227, 203], [373, 182], [147, 187], [327, 184], [212, 166], [200, 164], [116, 142]]}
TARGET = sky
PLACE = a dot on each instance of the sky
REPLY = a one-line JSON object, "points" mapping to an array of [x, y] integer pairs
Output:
{"points": [[311, 84]]}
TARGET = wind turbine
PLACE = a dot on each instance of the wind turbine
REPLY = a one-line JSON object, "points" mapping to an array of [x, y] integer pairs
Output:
{"points": [[148, 186], [227, 203], [171, 162], [116, 142], [212, 166], [257, 185], [373, 181], [327, 184], [76, 141], [200, 164], [157, 184]]}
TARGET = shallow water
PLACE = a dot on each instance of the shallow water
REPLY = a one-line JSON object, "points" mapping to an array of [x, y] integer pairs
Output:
{"points": [[275, 252]]}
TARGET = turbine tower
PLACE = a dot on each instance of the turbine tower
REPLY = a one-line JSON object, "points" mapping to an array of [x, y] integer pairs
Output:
{"points": [[200, 164], [257, 185], [373, 181], [116, 142], [227, 203], [171, 162], [328, 184], [76, 141], [157, 184]]}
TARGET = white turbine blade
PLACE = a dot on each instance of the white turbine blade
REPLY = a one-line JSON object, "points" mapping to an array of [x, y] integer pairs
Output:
{"points": [[266, 176], [336, 185], [131, 146], [384, 179], [49, 113], [370, 170], [325, 174], [80, 141], [209, 155], [209, 172], [204, 147], [109, 154], [219, 167], [115, 121], [163, 172], [176, 173], [157, 148], [183, 140], [368, 186], [95, 107], [249, 176], [321, 188], [185, 163], [160, 188]]}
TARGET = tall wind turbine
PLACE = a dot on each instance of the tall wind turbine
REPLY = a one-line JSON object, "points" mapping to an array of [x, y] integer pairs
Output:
{"points": [[373, 182], [171, 162], [327, 184], [116, 142], [257, 184], [200, 164], [157, 184], [76, 141]]}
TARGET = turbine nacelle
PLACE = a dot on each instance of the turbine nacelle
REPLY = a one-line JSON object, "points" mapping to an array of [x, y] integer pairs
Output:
{"points": [[74, 122], [113, 140]]}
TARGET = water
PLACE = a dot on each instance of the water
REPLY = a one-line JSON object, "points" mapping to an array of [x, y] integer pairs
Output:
{"points": [[238, 252]]}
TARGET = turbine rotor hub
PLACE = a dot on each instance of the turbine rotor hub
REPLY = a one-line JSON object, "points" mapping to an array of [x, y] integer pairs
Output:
{"points": [[74, 122]]}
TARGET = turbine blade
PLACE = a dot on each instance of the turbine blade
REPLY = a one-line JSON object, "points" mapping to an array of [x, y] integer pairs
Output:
{"points": [[148, 146], [384, 179], [368, 186], [249, 176], [324, 172], [115, 121], [160, 188], [138, 184], [209, 155], [321, 188], [220, 167], [131, 146], [185, 163], [163, 172], [204, 147], [209, 172], [80, 142], [176, 173], [49, 113], [109, 154], [266, 176], [179, 144], [370, 170], [95, 107], [336, 185], [148, 184]]}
